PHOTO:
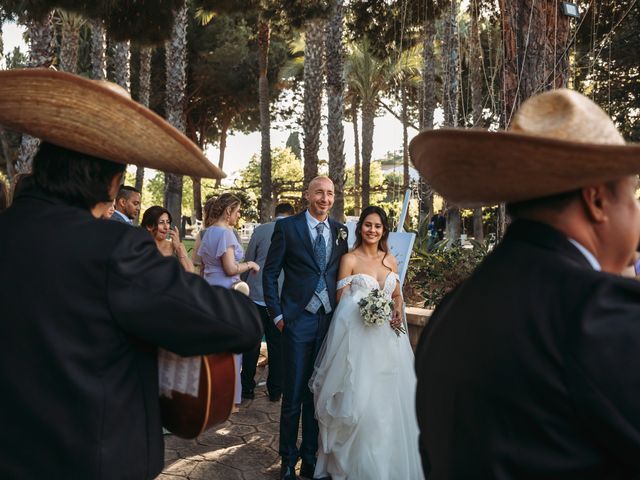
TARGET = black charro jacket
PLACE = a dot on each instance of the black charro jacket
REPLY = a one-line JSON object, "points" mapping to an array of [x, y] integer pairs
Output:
{"points": [[83, 305], [529, 370]]}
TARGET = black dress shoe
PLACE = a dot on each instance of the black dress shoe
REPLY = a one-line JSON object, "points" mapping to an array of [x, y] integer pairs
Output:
{"points": [[275, 397], [287, 473], [307, 469], [248, 394]]}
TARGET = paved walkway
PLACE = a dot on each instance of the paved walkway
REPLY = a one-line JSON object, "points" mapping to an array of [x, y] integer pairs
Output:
{"points": [[243, 448]]}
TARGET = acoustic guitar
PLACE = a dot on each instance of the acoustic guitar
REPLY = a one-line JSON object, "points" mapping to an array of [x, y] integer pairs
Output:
{"points": [[187, 415]]}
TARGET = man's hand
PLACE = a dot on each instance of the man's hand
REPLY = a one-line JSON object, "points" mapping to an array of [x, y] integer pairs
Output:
{"points": [[280, 325]]}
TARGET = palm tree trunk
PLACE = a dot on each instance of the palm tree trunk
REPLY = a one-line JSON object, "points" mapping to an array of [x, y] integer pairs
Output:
{"points": [[70, 42], [368, 115], [264, 33], [405, 138], [145, 93], [98, 50], [121, 66], [313, 52], [475, 73], [450, 101], [428, 105], [41, 50], [356, 148], [176, 61], [223, 144], [335, 104]]}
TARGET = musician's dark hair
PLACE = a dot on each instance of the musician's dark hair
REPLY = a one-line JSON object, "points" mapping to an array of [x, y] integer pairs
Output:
{"points": [[77, 178]]}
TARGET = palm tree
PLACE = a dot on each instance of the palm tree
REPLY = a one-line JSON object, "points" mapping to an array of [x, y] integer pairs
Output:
{"points": [[98, 50], [335, 100], [264, 34], [121, 65], [313, 52], [145, 92], [70, 24], [369, 76], [475, 72], [450, 98], [41, 52], [176, 62]]}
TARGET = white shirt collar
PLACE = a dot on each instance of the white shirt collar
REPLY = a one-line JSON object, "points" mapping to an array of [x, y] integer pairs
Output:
{"points": [[587, 254], [126, 219], [313, 222]]}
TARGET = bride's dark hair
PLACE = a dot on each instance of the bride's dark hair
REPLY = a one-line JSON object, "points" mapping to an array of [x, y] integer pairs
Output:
{"points": [[382, 244]]}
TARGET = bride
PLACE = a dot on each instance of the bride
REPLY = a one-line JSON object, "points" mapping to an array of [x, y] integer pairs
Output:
{"points": [[364, 382]]}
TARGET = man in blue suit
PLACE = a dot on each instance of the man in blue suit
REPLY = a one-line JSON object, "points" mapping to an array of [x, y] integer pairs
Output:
{"points": [[308, 247]]}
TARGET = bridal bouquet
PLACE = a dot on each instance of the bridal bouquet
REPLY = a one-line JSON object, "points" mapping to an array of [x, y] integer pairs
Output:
{"points": [[376, 309]]}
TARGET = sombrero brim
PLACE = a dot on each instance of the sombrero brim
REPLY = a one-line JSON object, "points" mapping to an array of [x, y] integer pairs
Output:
{"points": [[471, 168], [89, 117]]}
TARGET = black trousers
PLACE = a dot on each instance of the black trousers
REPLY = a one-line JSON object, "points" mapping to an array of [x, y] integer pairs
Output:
{"points": [[274, 351]]}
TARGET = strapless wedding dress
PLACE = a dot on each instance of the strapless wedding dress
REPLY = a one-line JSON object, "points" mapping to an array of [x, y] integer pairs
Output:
{"points": [[364, 393]]}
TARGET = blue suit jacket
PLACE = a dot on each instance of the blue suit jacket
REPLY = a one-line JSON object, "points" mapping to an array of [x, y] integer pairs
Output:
{"points": [[291, 250]]}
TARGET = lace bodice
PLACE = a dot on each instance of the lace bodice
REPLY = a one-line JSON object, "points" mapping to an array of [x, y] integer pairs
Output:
{"points": [[367, 282]]}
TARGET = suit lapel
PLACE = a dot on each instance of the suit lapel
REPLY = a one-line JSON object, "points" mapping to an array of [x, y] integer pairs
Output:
{"points": [[305, 236]]}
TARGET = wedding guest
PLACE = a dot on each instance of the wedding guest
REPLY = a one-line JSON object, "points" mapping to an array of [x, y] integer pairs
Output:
{"points": [[127, 205], [221, 255], [257, 251], [109, 208], [157, 221], [82, 319], [207, 221]]}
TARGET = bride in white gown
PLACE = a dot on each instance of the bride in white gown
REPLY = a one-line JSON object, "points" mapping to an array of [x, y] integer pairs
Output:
{"points": [[364, 381]]}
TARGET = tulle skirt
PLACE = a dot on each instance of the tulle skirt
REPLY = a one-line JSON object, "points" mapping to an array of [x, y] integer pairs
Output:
{"points": [[364, 393]]}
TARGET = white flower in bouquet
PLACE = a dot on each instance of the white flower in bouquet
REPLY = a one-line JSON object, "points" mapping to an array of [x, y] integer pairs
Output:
{"points": [[376, 309]]}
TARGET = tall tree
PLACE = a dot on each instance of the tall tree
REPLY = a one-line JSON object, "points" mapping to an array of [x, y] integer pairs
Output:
{"points": [[536, 55], [70, 24], [121, 64], [369, 76], [41, 52], [98, 49], [176, 64], [266, 187], [143, 97], [475, 72], [335, 100], [451, 92], [313, 60]]}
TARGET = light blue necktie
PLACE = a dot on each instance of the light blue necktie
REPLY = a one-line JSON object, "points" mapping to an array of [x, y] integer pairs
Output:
{"points": [[320, 251]]}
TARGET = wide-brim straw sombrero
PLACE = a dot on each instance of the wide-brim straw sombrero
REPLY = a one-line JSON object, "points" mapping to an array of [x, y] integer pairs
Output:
{"points": [[96, 118], [558, 141]]}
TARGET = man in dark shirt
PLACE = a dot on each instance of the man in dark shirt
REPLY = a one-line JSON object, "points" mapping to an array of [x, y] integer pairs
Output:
{"points": [[86, 302], [527, 369]]}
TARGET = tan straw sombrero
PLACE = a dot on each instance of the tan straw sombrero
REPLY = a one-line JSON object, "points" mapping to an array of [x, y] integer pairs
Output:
{"points": [[96, 118], [558, 141]]}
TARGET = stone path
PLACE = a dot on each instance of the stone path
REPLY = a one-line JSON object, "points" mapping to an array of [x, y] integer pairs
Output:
{"points": [[243, 448]]}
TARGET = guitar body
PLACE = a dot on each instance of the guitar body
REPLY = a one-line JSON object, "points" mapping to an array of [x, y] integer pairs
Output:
{"points": [[187, 416]]}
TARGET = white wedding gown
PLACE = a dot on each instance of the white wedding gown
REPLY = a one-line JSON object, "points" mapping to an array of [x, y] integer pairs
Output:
{"points": [[364, 392]]}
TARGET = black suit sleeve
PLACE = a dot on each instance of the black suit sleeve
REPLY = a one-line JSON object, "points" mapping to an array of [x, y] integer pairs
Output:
{"points": [[154, 299], [603, 376]]}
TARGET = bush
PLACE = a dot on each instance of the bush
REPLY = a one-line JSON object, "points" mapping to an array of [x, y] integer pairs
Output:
{"points": [[435, 274]]}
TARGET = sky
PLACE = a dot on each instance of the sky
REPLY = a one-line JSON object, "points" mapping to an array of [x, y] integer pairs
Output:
{"points": [[240, 147]]}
